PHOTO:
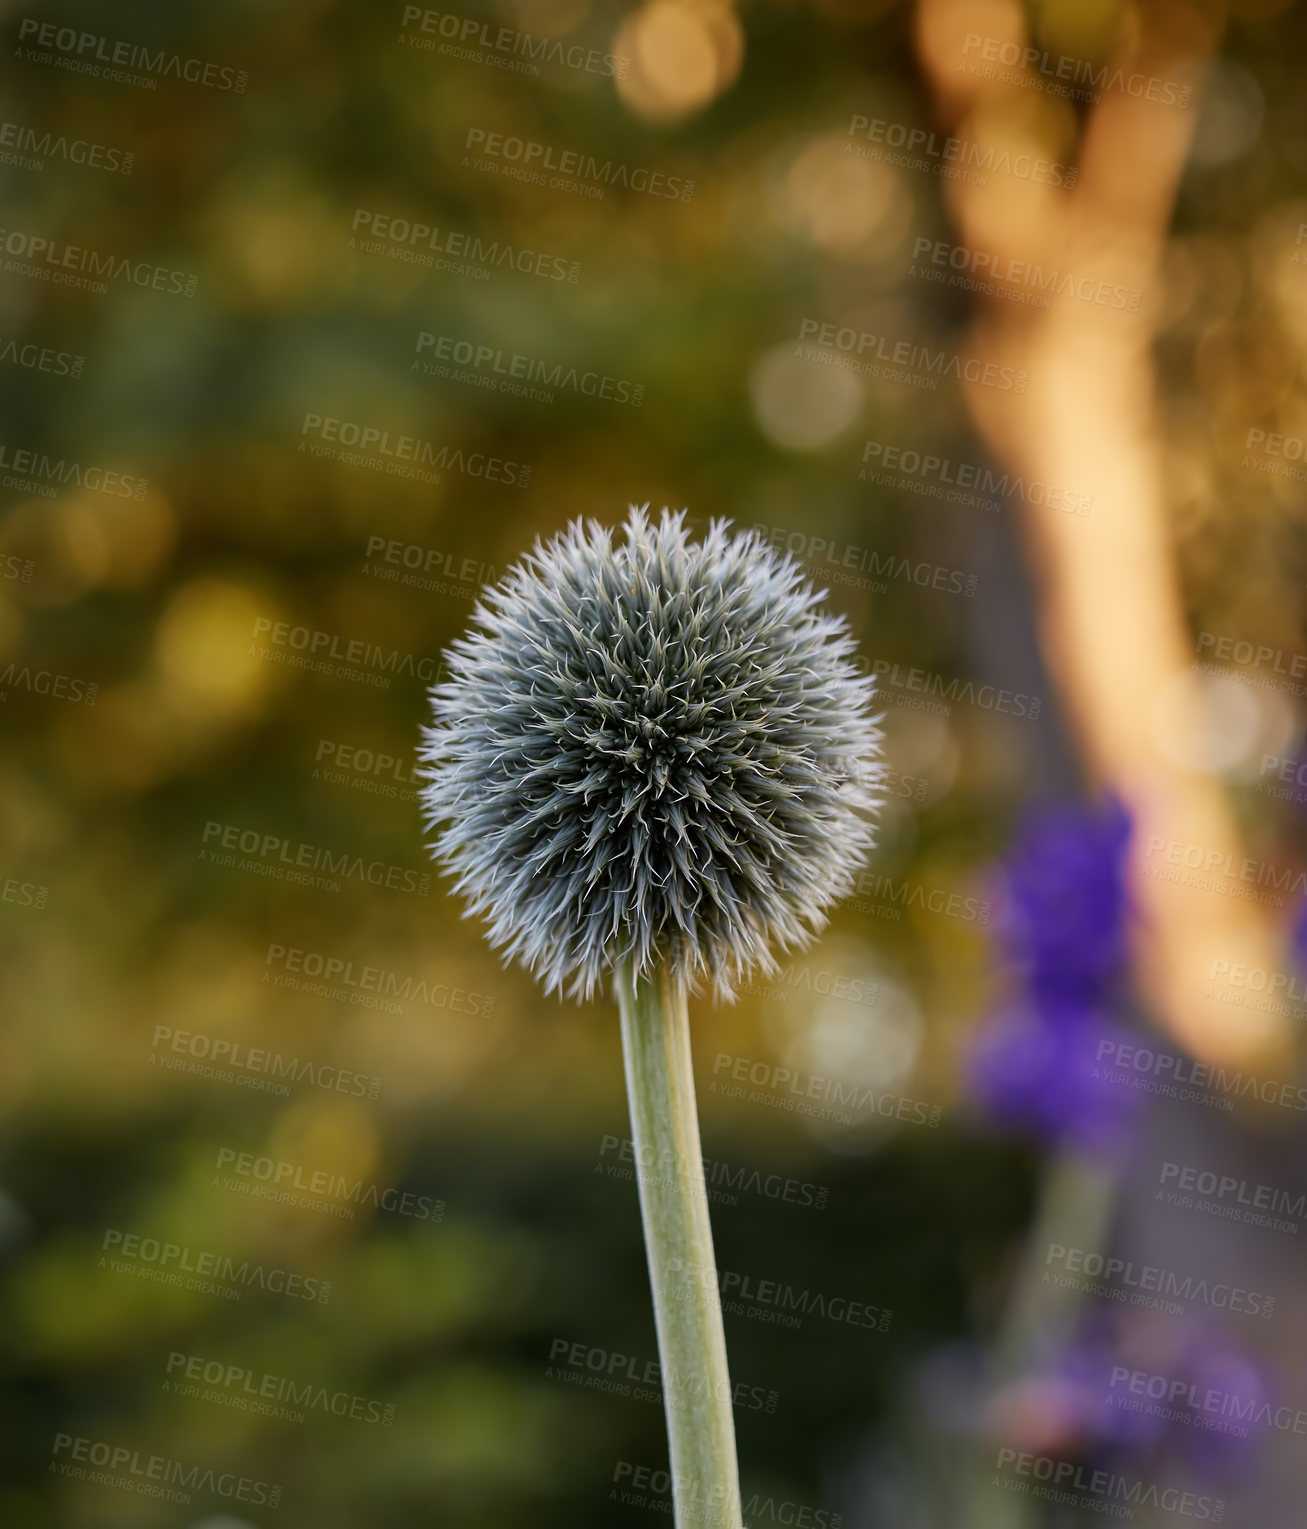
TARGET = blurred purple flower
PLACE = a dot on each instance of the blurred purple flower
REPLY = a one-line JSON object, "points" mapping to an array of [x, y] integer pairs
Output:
{"points": [[1134, 1388], [1146, 1388], [1037, 1070], [1063, 923], [1298, 938], [1064, 915]]}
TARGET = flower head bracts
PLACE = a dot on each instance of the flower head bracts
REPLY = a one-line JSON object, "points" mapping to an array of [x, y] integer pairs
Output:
{"points": [[653, 752]]}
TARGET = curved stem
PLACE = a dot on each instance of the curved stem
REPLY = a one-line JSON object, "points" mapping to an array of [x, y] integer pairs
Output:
{"points": [[678, 1242], [1076, 1201]]}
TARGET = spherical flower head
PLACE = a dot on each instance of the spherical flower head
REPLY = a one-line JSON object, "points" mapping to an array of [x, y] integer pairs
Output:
{"points": [[654, 753]]}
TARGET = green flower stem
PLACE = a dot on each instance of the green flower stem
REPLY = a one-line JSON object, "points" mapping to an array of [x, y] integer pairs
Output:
{"points": [[678, 1241], [1076, 1200]]}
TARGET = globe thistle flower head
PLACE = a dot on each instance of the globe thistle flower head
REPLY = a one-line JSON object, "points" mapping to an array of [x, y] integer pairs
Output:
{"points": [[653, 752]]}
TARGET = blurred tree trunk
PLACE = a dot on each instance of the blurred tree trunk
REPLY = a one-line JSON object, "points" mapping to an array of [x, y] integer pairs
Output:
{"points": [[1112, 620]]}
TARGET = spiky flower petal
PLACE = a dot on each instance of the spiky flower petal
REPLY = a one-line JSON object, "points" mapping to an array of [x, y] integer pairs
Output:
{"points": [[653, 752]]}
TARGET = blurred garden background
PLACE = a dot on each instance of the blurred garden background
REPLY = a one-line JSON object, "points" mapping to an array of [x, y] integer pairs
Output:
{"points": [[313, 317]]}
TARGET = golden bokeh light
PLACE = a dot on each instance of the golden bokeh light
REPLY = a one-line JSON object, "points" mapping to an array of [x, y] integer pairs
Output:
{"points": [[207, 652], [799, 404], [683, 54], [843, 204]]}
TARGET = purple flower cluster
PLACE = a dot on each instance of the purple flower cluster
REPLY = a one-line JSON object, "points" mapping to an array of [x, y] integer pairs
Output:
{"points": [[1063, 926], [1151, 1392]]}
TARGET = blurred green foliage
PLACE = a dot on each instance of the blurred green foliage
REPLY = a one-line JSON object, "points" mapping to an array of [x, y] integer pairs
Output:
{"points": [[167, 602]]}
